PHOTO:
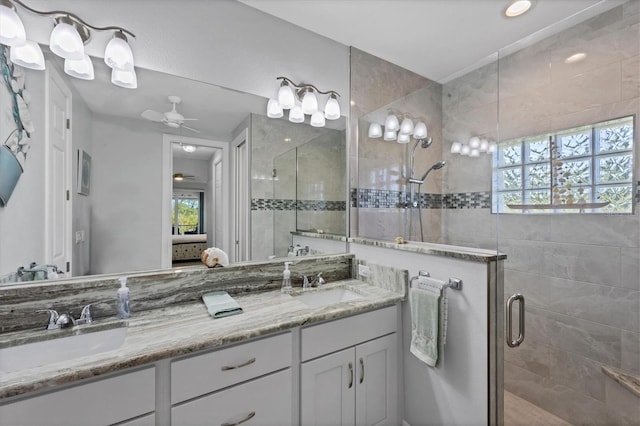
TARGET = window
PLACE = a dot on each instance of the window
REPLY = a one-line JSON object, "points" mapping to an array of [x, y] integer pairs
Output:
{"points": [[586, 169], [186, 213]]}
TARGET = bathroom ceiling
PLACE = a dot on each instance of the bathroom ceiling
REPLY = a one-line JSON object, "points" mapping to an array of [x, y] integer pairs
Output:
{"points": [[438, 39]]}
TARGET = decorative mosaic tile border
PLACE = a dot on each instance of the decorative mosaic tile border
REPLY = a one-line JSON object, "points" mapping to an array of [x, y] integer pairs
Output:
{"points": [[385, 199], [299, 205]]}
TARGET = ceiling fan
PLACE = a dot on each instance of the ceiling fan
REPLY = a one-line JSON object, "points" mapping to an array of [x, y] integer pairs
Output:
{"points": [[171, 118], [182, 176]]}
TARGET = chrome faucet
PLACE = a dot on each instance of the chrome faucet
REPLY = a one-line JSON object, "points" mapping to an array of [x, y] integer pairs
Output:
{"points": [[66, 320], [316, 282]]}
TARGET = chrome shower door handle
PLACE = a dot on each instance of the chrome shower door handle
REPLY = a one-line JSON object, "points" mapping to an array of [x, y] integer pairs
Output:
{"points": [[510, 342]]}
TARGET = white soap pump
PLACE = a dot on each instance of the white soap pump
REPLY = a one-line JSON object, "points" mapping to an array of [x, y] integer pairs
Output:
{"points": [[286, 278], [122, 299]]}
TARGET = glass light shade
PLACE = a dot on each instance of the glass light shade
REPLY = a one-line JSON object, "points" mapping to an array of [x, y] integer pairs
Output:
{"points": [[391, 124], [420, 130], [456, 147], [390, 135], [29, 55], [66, 42], [484, 145], [474, 153], [285, 96], [403, 138], [189, 148], [517, 8], [274, 110], [332, 108], [465, 150], [309, 103], [296, 115], [492, 147], [124, 78], [407, 126], [11, 28], [474, 142], [317, 119], [118, 53], [375, 130], [82, 69]]}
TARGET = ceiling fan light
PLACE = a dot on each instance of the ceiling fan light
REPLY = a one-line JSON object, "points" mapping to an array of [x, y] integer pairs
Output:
{"points": [[296, 115], [118, 53], [407, 126], [274, 110], [375, 130], [124, 78], [285, 96], [332, 108], [82, 69], [65, 41], [317, 119], [517, 8], [309, 102], [28, 55], [420, 130], [391, 124], [12, 31]]}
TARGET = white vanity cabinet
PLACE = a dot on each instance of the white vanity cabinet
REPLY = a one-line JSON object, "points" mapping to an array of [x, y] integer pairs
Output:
{"points": [[250, 382], [356, 385], [101, 402]]}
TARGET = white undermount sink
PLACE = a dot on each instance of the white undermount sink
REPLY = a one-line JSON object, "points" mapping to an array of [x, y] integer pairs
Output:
{"points": [[320, 298], [30, 355]]}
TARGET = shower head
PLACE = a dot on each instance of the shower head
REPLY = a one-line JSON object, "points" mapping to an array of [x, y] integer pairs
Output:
{"points": [[437, 166], [426, 143]]}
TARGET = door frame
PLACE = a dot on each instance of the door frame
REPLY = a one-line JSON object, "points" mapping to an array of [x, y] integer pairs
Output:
{"points": [[241, 217]]}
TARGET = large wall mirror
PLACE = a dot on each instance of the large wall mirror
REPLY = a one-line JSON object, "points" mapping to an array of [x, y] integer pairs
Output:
{"points": [[151, 196]]}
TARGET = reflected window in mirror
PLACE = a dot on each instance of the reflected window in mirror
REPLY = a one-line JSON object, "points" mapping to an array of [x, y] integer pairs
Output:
{"points": [[187, 213]]}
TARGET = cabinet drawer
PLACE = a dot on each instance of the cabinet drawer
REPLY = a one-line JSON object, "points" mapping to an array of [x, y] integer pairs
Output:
{"points": [[329, 337], [201, 374], [265, 401], [102, 402]]}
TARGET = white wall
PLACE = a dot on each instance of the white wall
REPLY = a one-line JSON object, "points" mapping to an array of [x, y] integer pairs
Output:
{"points": [[127, 197]]}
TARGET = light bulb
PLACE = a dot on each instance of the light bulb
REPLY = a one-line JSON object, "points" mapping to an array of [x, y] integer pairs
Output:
{"points": [[285, 96], [317, 119], [420, 130], [407, 126], [118, 53], [296, 115], [456, 147], [332, 108], [474, 142], [465, 150], [484, 145], [492, 147], [11, 28], [29, 55], [82, 69], [474, 153], [189, 148], [274, 110], [309, 102], [65, 41], [375, 130], [126, 79], [391, 124], [403, 138], [390, 135]]}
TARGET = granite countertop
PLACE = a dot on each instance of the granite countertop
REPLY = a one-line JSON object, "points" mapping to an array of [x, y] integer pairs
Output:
{"points": [[182, 329]]}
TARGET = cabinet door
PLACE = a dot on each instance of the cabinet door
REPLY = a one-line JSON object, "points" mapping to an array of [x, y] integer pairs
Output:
{"points": [[377, 382], [265, 401], [328, 387]]}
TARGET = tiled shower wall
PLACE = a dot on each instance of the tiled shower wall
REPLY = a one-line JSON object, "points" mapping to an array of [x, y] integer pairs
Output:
{"points": [[579, 273]]}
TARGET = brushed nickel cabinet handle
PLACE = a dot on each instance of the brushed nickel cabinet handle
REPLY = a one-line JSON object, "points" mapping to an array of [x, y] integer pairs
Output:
{"points": [[234, 367], [350, 375], [361, 370], [518, 341], [242, 420]]}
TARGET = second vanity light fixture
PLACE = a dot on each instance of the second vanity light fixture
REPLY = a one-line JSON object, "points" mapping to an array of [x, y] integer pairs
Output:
{"points": [[399, 131], [301, 99], [473, 147], [67, 40]]}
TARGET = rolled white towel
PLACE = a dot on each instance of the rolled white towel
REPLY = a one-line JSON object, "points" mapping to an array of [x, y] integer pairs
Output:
{"points": [[214, 257]]}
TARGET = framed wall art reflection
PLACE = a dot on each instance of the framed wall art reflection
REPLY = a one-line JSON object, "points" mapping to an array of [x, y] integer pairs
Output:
{"points": [[84, 173]]}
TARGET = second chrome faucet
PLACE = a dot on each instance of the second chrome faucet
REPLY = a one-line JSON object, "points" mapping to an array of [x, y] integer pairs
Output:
{"points": [[66, 320]]}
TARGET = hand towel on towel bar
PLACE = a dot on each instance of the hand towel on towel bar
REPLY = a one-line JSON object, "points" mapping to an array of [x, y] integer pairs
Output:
{"points": [[220, 304], [428, 301]]}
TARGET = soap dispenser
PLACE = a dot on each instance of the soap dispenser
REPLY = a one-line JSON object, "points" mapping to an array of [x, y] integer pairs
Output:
{"points": [[122, 299], [286, 278]]}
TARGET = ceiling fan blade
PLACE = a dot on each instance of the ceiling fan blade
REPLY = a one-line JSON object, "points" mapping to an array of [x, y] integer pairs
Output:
{"points": [[153, 115], [191, 128], [190, 119]]}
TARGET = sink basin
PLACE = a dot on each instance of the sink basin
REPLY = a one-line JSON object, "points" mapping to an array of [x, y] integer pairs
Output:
{"points": [[30, 355], [318, 299]]}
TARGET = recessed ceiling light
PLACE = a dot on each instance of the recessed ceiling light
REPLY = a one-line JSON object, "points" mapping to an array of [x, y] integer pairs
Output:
{"points": [[517, 8], [287, 139], [189, 148], [575, 58]]}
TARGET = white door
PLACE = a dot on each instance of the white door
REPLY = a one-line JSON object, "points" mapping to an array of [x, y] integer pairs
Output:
{"points": [[376, 382], [328, 386], [58, 165]]}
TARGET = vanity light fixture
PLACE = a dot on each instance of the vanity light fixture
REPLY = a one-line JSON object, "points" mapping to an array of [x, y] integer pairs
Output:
{"points": [[300, 100], [395, 131], [517, 8], [70, 34], [473, 147]]}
